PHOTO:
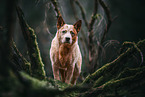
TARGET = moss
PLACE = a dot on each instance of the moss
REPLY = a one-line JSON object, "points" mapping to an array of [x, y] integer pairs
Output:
{"points": [[27, 67], [113, 67], [19, 59], [126, 83], [37, 66], [96, 75], [130, 72]]}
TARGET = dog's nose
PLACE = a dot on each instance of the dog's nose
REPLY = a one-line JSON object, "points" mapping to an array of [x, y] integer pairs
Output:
{"points": [[67, 39]]}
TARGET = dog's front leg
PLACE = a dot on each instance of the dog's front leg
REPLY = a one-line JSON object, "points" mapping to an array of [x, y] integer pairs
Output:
{"points": [[69, 74], [76, 74], [56, 72]]}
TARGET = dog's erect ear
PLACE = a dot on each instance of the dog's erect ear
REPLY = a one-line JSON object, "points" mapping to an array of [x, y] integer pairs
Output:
{"points": [[77, 25], [60, 22]]}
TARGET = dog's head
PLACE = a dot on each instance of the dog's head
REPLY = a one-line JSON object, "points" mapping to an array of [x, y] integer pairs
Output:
{"points": [[67, 33]]}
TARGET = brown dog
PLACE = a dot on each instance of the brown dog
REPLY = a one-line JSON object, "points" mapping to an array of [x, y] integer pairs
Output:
{"points": [[65, 54]]}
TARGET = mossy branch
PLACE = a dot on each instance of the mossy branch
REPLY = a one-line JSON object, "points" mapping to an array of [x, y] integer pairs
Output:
{"points": [[120, 86], [106, 69], [37, 66], [18, 59]]}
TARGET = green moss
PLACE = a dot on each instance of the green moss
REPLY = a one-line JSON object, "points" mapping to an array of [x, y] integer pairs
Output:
{"points": [[126, 83], [27, 67], [37, 66], [130, 72], [91, 78], [17, 56], [113, 66]]}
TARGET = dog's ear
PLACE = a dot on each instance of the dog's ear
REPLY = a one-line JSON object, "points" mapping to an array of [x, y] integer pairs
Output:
{"points": [[60, 22], [77, 25]]}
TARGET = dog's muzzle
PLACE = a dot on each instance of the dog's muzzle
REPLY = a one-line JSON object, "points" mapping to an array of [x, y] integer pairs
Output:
{"points": [[67, 40]]}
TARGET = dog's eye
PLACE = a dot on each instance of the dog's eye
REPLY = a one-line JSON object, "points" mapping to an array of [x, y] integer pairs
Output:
{"points": [[64, 31], [72, 33]]}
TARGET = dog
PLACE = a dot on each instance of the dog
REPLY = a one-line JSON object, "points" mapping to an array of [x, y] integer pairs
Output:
{"points": [[65, 53]]}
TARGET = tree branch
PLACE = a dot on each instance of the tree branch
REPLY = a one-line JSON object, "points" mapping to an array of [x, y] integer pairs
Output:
{"points": [[109, 19], [119, 87], [107, 11], [93, 18], [110, 67], [37, 66], [18, 59], [56, 9], [82, 12], [91, 45]]}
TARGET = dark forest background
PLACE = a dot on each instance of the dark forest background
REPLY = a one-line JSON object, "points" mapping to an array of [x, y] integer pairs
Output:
{"points": [[128, 25]]}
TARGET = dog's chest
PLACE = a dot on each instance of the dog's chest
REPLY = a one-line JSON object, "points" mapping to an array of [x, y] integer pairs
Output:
{"points": [[65, 55]]}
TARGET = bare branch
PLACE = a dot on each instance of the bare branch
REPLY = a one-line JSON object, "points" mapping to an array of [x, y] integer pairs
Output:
{"points": [[55, 6], [90, 35], [18, 60], [82, 12], [107, 11], [92, 21], [135, 46], [109, 19]]}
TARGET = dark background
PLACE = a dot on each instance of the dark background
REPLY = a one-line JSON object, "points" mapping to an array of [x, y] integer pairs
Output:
{"points": [[128, 26]]}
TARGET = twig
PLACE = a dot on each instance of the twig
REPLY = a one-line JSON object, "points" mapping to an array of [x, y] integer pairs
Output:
{"points": [[92, 21], [55, 6], [76, 17], [82, 12], [18, 59], [107, 11], [90, 36], [135, 46]]}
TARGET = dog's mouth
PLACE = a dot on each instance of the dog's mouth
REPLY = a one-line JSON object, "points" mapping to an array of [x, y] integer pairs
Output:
{"points": [[67, 42]]}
